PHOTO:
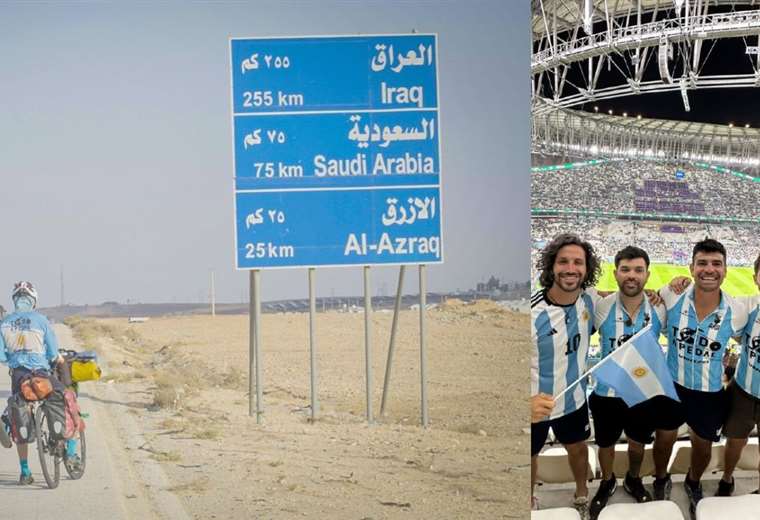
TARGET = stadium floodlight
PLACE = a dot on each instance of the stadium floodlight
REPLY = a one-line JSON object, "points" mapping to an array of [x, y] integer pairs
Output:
{"points": [[664, 53], [684, 95]]}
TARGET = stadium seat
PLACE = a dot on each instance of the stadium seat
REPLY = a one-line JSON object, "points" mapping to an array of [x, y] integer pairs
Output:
{"points": [[557, 513], [620, 466], [750, 457], [746, 507], [658, 510], [680, 460], [553, 467]]}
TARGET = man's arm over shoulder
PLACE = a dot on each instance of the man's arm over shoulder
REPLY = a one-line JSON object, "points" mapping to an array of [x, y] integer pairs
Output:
{"points": [[602, 309], [669, 296], [741, 307]]}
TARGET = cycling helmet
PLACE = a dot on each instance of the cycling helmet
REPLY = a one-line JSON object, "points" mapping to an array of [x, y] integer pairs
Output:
{"points": [[24, 288]]}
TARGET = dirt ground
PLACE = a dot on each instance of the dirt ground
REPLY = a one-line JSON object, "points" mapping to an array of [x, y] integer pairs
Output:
{"points": [[186, 379]]}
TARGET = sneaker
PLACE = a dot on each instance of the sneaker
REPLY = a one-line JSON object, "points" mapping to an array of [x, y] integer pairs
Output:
{"points": [[74, 463], [607, 488], [694, 494], [534, 503], [635, 487], [662, 487], [581, 505], [756, 492], [25, 480], [725, 489]]}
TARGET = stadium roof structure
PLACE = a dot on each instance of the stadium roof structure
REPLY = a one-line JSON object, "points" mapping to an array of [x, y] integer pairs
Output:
{"points": [[585, 51], [576, 133], [570, 12], [678, 36]]}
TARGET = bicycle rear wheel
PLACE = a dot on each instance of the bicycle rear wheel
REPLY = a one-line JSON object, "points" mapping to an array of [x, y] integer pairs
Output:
{"points": [[48, 449], [75, 468]]}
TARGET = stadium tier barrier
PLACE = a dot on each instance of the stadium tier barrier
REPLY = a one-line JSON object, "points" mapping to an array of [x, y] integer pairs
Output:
{"points": [[745, 507], [657, 510]]}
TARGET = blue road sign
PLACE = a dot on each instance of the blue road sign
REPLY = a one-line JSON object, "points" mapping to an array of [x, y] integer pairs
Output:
{"points": [[334, 73], [379, 226], [336, 151]]}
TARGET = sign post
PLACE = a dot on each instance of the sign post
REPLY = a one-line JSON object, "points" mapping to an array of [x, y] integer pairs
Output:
{"points": [[336, 154]]}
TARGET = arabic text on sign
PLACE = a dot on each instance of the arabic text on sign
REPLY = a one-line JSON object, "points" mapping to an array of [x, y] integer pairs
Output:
{"points": [[271, 62], [418, 209], [386, 57]]}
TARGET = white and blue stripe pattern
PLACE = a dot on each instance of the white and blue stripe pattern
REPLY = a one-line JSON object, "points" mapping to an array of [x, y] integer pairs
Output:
{"points": [[612, 320], [748, 368], [696, 349], [561, 338]]}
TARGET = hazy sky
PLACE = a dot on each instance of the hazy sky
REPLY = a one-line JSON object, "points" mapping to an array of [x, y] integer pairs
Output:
{"points": [[115, 144]]}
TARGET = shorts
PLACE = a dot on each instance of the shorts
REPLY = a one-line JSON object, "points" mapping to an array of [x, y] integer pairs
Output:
{"points": [[21, 373], [705, 411], [664, 412], [612, 417], [568, 429], [743, 413]]}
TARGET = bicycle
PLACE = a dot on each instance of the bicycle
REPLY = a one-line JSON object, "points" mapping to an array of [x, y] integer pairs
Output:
{"points": [[52, 448]]}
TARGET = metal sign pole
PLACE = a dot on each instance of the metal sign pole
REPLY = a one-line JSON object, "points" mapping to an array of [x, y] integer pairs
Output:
{"points": [[255, 347], [252, 326], [423, 354], [312, 344], [392, 345], [367, 341]]}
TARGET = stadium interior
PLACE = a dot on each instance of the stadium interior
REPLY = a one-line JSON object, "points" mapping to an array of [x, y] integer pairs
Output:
{"points": [[663, 180]]}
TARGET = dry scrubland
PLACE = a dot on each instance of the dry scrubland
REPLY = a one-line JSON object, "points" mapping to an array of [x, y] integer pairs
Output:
{"points": [[185, 379]]}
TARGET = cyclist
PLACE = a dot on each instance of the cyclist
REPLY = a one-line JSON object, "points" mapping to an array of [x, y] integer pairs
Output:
{"points": [[28, 343]]}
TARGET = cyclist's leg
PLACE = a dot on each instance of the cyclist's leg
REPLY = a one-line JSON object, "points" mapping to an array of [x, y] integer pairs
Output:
{"points": [[17, 375]]}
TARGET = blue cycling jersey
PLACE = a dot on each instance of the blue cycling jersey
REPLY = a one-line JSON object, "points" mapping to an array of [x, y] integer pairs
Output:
{"points": [[27, 340]]}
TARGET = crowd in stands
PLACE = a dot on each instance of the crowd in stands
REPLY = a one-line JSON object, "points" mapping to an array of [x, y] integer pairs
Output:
{"points": [[635, 186], [665, 242]]}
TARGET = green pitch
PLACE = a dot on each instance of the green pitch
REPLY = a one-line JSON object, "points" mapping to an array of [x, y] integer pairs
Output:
{"points": [[738, 282]]}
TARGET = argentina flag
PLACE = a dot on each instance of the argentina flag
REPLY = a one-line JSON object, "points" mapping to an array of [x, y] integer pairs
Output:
{"points": [[637, 370]]}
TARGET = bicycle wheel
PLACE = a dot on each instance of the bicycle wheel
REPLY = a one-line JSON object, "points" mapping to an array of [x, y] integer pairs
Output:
{"points": [[48, 449], [75, 468]]}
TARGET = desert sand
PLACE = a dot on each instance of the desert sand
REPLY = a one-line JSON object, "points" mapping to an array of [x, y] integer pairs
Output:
{"points": [[185, 380]]}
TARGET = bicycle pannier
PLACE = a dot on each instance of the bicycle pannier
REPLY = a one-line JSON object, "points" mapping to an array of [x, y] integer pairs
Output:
{"points": [[74, 422], [55, 412], [36, 388], [22, 424]]}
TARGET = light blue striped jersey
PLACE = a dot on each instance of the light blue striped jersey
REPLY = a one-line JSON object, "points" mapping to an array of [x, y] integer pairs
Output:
{"points": [[747, 373], [696, 349], [616, 326], [560, 334]]}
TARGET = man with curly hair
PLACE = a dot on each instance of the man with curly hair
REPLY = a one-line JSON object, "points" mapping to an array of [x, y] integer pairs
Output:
{"points": [[562, 321]]}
